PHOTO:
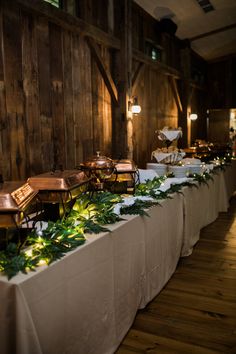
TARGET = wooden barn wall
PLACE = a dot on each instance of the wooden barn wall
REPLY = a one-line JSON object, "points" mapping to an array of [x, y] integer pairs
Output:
{"points": [[55, 109], [54, 106], [198, 128], [221, 83], [158, 110]]}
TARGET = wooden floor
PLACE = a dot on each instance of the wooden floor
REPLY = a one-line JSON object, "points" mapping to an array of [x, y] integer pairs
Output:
{"points": [[196, 311]]}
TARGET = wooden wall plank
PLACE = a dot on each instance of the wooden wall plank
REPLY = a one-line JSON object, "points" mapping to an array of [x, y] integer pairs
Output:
{"points": [[56, 73], [45, 109], [31, 96], [12, 30], [4, 122], [77, 108], [68, 101], [86, 124]]}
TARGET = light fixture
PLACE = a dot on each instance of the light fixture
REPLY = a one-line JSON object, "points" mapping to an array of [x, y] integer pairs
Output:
{"points": [[135, 108], [193, 116]]}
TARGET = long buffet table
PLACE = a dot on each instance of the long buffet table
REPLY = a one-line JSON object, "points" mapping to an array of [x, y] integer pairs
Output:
{"points": [[86, 302]]}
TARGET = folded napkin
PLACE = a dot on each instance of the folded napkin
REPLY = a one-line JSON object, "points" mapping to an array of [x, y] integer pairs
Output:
{"points": [[169, 134], [169, 157]]}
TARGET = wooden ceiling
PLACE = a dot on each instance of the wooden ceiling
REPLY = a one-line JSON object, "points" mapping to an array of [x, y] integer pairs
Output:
{"points": [[212, 34]]}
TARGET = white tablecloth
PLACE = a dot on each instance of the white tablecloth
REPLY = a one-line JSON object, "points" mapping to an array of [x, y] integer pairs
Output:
{"points": [[86, 302], [202, 206], [163, 240], [230, 178]]}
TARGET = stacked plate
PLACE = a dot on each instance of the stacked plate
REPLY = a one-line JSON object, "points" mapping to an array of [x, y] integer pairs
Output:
{"points": [[159, 168], [194, 169], [178, 171]]}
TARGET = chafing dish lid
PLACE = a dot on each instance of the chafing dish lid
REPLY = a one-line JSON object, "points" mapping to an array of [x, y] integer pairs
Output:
{"points": [[98, 162], [58, 180], [14, 195], [125, 166]]}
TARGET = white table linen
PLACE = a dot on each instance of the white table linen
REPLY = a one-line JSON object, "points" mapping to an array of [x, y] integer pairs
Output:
{"points": [[86, 302], [230, 178], [201, 207], [163, 241]]}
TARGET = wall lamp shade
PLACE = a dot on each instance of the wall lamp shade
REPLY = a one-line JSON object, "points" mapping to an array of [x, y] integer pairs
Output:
{"points": [[135, 107], [193, 116]]}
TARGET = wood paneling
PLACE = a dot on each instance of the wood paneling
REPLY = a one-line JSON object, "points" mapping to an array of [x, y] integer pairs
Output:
{"points": [[12, 57], [219, 120], [44, 103], [46, 94], [196, 311], [55, 108], [221, 83], [57, 93], [4, 126], [159, 109]]}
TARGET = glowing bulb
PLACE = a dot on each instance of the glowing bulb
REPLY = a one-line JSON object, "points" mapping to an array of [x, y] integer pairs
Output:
{"points": [[136, 109], [193, 116]]}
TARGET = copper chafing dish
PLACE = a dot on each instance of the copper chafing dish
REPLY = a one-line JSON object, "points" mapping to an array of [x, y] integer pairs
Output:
{"points": [[15, 201], [59, 187], [99, 168], [124, 178]]}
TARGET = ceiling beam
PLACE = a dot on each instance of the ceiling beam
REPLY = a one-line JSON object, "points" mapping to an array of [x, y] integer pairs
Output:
{"points": [[207, 34]]}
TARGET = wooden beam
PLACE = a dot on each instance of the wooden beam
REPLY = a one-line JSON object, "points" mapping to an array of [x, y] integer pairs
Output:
{"points": [[191, 90], [69, 22], [122, 135], [198, 87], [155, 65], [210, 33], [103, 69], [136, 77], [173, 85]]}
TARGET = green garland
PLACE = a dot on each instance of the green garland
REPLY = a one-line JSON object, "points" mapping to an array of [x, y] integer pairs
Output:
{"points": [[87, 216], [90, 214], [52, 244], [138, 207]]}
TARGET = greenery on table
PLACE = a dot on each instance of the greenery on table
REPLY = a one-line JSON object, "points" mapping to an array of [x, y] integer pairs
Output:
{"points": [[88, 215], [203, 178], [46, 247], [138, 207], [149, 186], [91, 213]]}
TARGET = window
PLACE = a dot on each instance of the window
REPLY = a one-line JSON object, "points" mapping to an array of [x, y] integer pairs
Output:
{"points": [[54, 2], [153, 50]]}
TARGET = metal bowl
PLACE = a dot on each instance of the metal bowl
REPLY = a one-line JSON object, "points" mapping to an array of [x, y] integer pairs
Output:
{"points": [[100, 167]]}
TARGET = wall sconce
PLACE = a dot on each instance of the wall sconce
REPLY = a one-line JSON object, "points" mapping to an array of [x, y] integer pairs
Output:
{"points": [[134, 107], [193, 116]]}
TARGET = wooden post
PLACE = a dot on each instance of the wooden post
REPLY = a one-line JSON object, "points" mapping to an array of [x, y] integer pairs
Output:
{"points": [[183, 120], [122, 118]]}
